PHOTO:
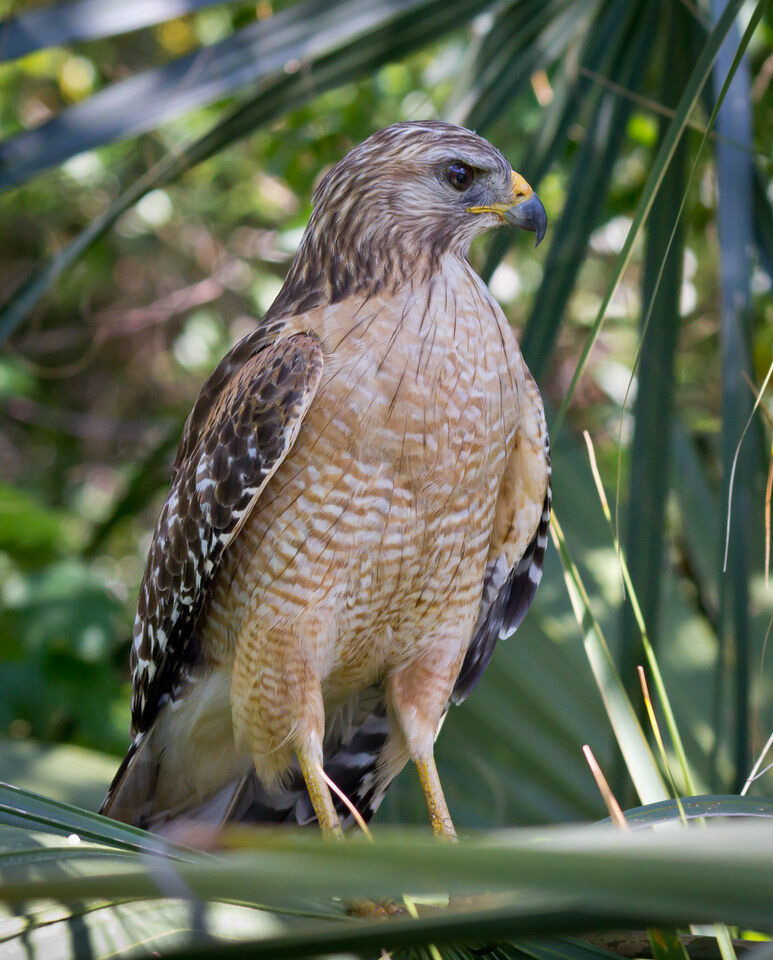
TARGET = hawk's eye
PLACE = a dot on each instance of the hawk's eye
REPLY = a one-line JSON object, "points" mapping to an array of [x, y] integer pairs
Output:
{"points": [[459, 175]]}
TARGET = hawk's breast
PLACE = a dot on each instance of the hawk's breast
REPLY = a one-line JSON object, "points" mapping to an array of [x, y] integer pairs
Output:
{"points": [[381, 515]]}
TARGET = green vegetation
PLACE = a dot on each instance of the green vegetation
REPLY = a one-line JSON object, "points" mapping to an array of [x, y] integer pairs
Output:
{"points": [[156, 167]]}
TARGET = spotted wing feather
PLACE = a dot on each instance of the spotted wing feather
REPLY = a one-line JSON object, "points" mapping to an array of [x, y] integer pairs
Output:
{"points": [[231, 446]]}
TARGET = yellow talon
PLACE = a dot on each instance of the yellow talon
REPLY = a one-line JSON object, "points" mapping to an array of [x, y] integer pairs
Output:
{"points": [[319, 793], [440, 818]]}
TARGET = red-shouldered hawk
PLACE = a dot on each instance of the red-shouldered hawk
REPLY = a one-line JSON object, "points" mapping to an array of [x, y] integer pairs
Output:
{"points": [[358, 510]]}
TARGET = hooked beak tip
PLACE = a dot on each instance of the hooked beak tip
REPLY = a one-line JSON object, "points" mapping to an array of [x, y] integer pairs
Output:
{"points": [[529, 215]]}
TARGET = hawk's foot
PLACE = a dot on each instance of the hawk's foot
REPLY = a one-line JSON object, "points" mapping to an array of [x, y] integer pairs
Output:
{"points": [[375, 909]]}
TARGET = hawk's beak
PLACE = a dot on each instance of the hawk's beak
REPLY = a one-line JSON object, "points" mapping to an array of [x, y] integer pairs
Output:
{"points": [[524, 210]]}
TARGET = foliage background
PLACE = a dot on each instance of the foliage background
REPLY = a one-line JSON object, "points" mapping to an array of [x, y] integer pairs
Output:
{"points": [[97, 379]]}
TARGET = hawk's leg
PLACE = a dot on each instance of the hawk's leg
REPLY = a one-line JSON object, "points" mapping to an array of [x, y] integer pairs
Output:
{"points": [[277, 709], [319, 792], [439, 817], [417, 695]]}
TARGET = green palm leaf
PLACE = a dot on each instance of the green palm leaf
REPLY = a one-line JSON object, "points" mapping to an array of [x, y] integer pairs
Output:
{"points": [[300, 35], [54, 26]]}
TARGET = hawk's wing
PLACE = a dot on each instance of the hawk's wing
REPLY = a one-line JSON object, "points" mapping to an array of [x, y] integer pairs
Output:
{"points": [[518, 541], [243, 425]]}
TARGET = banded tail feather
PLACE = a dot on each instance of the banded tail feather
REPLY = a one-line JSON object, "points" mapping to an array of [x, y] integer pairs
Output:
{"points": [[352, 763]]}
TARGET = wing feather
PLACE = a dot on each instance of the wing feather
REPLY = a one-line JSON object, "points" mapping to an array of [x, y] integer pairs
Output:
{"points": [[231, 446], [513, 571]]}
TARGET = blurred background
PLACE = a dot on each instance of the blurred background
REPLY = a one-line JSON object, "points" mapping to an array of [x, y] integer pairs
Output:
{"points": [[156, 168]]}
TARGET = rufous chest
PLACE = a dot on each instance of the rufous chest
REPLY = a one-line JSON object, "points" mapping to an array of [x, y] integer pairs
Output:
{"points": [[422, 383]]}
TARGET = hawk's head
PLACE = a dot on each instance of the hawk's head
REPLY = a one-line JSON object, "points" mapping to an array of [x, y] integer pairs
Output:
{"points": [[400, 201]]}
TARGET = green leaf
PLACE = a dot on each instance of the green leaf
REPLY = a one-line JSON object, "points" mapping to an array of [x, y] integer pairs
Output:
{"points": [[763, 223], [586, 192], [630, 736], [598, 876], [522, 38], [534, 883], [650, 446], [562, 948], [687, 101], [21, 808], [60, 23], [699, 510], [101, 931], [735, 232], [698, 808], [601, 45], [258, 53]]}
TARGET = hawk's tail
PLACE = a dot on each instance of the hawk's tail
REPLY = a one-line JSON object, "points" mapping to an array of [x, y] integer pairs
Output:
{"points": [[352, 763], [129, 792], [353, 766]]}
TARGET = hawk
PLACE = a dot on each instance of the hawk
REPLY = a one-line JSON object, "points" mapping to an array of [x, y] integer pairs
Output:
{"points": [[358, 510]]}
